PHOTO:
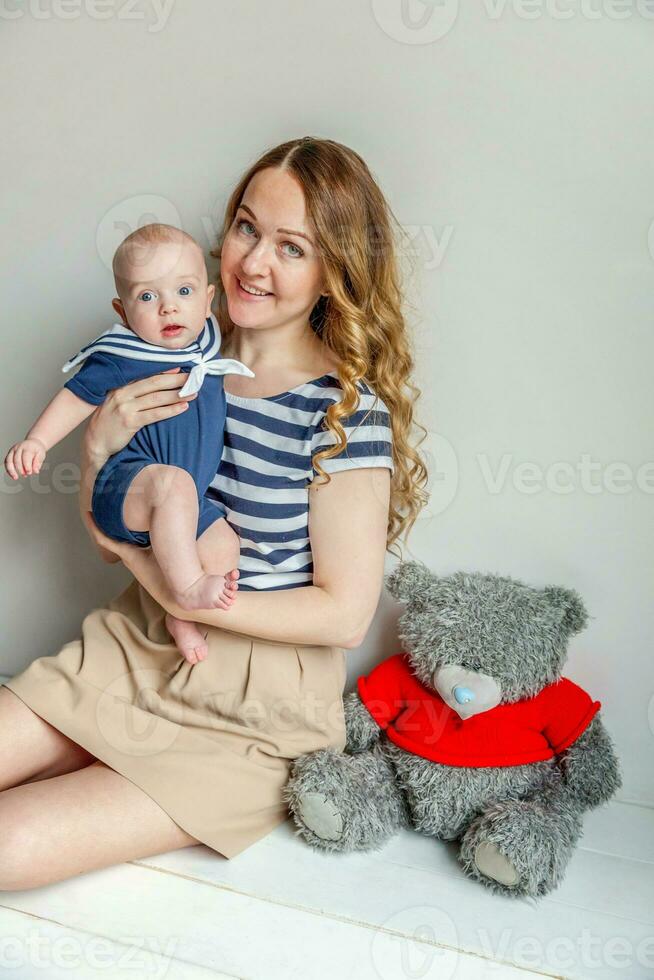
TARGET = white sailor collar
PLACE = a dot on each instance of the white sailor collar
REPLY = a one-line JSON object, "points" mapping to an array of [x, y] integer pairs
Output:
{"points": [[203, 353]]}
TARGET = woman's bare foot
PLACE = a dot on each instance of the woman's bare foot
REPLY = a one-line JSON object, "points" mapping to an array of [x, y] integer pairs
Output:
{"points": [[190, 642], [207, 592]]}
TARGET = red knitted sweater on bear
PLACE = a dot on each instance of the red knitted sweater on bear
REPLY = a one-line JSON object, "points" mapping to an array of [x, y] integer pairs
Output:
{"points": [[417, 719]]}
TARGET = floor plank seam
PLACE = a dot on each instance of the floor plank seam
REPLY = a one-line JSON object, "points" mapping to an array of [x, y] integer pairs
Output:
{"points": [[618, 857], [535, 904], [585, 908], [643, 804], [323, 914]]}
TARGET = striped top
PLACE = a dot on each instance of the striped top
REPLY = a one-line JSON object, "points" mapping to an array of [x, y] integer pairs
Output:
{"points": [[263, 479]]}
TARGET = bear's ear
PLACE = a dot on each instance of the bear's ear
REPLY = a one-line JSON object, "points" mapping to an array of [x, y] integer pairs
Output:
{"points": [[569, 605], [411, 582]]}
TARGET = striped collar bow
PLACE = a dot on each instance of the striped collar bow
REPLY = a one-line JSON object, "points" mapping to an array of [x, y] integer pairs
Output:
{"points": [[203, 354]]}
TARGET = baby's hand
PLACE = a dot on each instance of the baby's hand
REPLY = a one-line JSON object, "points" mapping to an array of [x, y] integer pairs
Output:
{"points": [[25, 458]]}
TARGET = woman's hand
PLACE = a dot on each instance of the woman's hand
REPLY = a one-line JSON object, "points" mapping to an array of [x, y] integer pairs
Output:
{"points": [[126, 410]]}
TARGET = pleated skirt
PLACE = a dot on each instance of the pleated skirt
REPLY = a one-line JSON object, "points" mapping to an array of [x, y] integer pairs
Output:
{"points": [[212, 743]]}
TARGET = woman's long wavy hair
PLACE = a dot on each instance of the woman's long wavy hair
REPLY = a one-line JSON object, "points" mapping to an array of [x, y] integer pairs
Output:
{"points": [[360, 319]]}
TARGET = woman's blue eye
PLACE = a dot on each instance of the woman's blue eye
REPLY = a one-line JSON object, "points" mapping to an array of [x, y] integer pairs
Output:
{"points": [[185, 290], [146, 297], [248, 229]]}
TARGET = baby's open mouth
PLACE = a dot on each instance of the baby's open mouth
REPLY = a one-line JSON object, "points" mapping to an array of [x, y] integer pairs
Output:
{"points": [[172, 329]]}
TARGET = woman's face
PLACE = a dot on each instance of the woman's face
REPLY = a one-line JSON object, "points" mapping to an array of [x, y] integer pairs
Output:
{"points": [[271, 249]]}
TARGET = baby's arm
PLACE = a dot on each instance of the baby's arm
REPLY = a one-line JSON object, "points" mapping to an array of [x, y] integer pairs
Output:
{"points": [[63, 414]]}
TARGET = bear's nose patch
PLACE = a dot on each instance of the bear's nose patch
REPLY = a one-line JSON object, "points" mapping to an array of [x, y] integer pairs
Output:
{"points": [[468, 692]]}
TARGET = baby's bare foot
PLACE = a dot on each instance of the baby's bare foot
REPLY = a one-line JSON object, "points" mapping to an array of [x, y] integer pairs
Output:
{"points": [[207, 592], [190, 641]]}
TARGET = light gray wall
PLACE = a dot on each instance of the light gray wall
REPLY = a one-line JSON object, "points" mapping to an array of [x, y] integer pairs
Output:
{"points": [[516, 145]]}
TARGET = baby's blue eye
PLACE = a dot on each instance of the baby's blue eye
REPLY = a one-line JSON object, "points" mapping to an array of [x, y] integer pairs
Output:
{"points": [[185, 290], [146, 296]]}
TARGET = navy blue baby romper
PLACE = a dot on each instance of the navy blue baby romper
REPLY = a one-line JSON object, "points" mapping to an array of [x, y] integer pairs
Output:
{"points": [[192, 440]]}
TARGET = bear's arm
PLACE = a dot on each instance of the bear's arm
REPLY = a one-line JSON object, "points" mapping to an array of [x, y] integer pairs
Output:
{"points": [[577, 735], [590, 767], [361, 728], [378, 701]]}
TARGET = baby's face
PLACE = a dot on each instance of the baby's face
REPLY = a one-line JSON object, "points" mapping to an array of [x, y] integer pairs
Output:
{"points": [[164, 295]]}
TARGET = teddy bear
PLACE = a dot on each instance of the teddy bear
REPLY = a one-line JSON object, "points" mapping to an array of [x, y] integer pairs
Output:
{"points": [[470, 734]]}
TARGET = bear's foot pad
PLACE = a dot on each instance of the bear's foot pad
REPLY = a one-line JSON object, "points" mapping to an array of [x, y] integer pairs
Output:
{"points": [[320, 815], [492, 863]]}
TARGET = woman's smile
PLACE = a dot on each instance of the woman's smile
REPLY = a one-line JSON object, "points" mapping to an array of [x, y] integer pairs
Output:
{"points": [[247, 291]]}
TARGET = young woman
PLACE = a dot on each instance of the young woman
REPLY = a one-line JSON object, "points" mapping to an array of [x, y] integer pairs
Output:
{"points": [[118, 748]]}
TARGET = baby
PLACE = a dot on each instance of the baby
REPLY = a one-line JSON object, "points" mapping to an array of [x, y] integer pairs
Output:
{"points": [[151, 493]]}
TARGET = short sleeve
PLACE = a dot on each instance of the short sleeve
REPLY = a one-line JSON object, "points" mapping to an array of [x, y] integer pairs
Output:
{"points": [[97, 376], [567, 712], [368, 433]]}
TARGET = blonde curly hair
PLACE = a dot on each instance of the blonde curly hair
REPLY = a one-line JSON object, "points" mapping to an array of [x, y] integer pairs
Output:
{"points": [[360, 319]]}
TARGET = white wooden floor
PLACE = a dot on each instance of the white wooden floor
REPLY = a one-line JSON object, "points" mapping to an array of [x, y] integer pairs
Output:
{"points": [[282, 910]]}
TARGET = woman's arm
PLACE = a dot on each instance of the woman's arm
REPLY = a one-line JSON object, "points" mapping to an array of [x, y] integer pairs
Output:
{"points": [[348, 521]]}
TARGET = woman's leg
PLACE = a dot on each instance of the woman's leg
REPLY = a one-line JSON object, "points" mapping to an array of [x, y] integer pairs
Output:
{"points": [[30, 748], [164, 501], [78, 822]]}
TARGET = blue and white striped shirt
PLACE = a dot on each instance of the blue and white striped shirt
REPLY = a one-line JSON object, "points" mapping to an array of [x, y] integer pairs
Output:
{"points": [[266, 468]]}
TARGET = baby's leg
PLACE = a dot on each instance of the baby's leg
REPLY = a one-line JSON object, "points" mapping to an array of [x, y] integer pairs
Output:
{"points": [[218, 548], [163, 500]]}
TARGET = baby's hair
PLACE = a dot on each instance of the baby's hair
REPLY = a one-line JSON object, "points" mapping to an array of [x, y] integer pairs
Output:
{"points": [[137, 247]]}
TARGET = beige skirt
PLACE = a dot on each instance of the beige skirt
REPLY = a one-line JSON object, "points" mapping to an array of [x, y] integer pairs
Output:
{"points": [[212, 742]]}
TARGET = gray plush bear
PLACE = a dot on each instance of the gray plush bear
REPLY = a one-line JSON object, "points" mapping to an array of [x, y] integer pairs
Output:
{"points": [[470, 735]]}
